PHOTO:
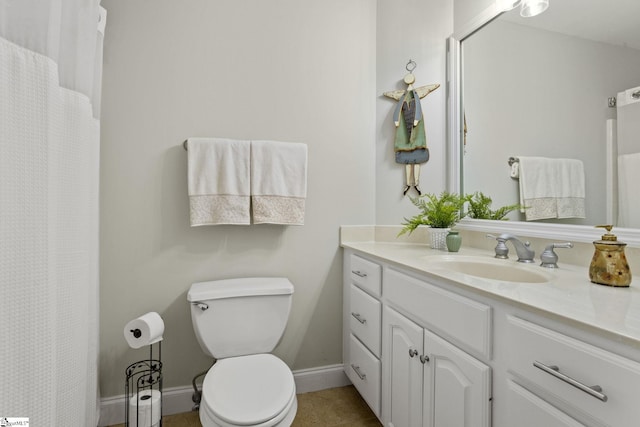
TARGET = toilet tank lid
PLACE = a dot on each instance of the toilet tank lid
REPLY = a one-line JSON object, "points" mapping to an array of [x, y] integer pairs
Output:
{"points": [[231, 288]]}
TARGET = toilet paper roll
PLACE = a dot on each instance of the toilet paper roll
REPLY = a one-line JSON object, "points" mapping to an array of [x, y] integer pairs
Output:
{"points": [[145, 409], [144, 330]]}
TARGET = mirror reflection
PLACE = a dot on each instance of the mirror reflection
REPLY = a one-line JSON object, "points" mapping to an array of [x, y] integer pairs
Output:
{"points": [[540, 91]]}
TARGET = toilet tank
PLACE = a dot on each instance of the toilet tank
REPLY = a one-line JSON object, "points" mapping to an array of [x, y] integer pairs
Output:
{"points": [[236, 317]]}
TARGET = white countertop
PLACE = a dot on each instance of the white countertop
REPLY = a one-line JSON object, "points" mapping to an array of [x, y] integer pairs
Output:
{"points": [[568, 294]]}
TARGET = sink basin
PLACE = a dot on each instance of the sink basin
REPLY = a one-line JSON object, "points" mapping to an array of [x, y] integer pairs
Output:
{"points": [[488, 268]]}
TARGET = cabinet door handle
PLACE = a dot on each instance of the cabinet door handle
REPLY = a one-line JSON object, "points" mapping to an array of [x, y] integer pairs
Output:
{"points": [[424, 359], [595, 390], [359, 273], [357, 370], [413, 352], [359, 318]]}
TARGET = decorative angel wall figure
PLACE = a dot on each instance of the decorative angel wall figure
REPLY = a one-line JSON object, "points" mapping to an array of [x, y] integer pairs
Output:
{"points": [[410, 144]]}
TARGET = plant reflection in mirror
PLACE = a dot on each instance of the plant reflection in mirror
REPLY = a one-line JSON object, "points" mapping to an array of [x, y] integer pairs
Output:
{"points": [[445, 210], [480, 207]]}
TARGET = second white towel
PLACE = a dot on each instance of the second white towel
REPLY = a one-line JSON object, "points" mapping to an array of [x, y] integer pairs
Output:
{"points": [[278, 182]]}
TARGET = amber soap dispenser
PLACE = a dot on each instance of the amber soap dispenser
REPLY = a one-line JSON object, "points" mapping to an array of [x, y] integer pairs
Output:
{"points": [[609, 265]]}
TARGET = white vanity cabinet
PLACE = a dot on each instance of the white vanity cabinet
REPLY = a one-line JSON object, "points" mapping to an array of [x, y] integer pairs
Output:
{"points": [[406, 372], [426, 350], [429, 382], [564, 381], [362, 320], [426, 380]]}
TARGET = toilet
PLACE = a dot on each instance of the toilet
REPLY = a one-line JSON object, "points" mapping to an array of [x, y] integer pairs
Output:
{"points": [[239, 322]]}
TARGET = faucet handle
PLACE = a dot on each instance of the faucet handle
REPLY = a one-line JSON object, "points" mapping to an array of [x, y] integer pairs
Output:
{"points": [[502, 251], [549, 258]]}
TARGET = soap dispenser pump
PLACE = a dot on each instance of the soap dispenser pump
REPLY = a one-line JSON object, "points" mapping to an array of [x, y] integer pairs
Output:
{"points": [[609, 265]]}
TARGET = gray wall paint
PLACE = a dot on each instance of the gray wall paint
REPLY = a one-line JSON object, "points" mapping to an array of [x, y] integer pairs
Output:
{"points": [[465, 11], [423, 39], [288, 70], [283, 69]]}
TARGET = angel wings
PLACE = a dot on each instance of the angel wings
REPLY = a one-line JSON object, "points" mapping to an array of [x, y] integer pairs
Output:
{"points": [[422, 91]]}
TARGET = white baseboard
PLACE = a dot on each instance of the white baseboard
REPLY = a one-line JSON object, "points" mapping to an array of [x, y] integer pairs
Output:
{"points": [[315, 379], [178, 399]]}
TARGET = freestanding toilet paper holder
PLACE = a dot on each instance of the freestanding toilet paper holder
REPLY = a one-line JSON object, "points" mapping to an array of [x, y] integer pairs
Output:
{"points": [[143, 390]]}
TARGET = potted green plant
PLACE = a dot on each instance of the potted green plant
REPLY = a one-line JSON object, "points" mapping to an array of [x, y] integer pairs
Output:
{"points": [[438, 212], [480, 207]]}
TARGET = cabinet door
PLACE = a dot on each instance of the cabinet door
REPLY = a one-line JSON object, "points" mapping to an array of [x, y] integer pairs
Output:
{"points": [[457, 387], [402, 371]]}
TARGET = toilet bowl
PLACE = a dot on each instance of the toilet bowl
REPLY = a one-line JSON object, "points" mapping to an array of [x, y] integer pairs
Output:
{"points": [[239, 322], [255, 390]]}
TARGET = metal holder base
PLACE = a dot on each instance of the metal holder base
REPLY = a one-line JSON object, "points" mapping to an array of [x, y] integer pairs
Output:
{"points": [[145, 375]]}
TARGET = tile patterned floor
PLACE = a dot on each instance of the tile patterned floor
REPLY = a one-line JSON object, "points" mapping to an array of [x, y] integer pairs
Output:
{"points": [[336, 407]]}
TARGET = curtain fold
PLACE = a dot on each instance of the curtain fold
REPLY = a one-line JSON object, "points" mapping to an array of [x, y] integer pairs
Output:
{"points": [[49, 163], [65, 31]]}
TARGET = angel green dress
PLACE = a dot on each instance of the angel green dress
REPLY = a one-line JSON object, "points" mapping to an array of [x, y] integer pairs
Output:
{"points": [[410, 143]]}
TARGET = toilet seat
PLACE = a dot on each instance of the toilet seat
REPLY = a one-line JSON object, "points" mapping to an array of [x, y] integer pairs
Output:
{"points": [[254, 390]]}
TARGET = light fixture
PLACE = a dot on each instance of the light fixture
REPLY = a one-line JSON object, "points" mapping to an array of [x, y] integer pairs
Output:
{"points": [[528, 8], [533, 7]]}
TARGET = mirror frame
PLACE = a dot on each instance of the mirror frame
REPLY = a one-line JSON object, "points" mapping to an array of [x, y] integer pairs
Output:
{"points": [[557, 232]]}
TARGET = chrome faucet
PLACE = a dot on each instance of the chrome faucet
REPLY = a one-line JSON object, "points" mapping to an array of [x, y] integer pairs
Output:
{"points": [[524, 251], [549, 258]]}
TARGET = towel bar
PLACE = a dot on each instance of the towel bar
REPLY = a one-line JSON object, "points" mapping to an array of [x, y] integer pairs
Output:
{"points": [[511, 160], [184, 145]]}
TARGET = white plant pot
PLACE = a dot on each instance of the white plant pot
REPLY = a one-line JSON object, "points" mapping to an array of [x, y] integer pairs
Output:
{"points": [[438, 238]]}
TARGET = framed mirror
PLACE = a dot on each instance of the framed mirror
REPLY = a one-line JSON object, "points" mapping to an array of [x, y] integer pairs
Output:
{"points": [[543, 87]]}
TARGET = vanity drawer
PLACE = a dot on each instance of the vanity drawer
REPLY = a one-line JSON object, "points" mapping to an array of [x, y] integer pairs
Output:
{"points": [[366, 274], [453, 316], [365, 319], [364, 373], [525, 409], [566, 370]]}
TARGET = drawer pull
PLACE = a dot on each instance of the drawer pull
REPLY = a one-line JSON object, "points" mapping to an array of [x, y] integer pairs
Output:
{"points": [[424, 359], [413, 352], [357, 370], [595, 391], [359, 318], [359, 273]]}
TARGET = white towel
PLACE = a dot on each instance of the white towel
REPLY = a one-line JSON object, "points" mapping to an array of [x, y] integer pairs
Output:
{"points": [[551, 188], [571, 188], [278, 182], [628, 202], [219, 179]]}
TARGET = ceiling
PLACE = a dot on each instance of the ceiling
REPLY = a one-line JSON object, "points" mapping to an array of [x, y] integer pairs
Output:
{"points": [[609, 21]]}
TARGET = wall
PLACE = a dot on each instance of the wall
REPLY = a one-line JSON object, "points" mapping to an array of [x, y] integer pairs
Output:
{"points": [[497, 58], [422, 37], [288, 70], [465, 11]]}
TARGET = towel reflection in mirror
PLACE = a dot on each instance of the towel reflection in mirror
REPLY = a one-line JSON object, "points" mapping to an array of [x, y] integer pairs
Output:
{"points": [[551, 188]]}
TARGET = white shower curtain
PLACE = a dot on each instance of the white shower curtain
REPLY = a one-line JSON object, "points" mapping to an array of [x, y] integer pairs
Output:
{"points": [[50, 72], [628, 157]]}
